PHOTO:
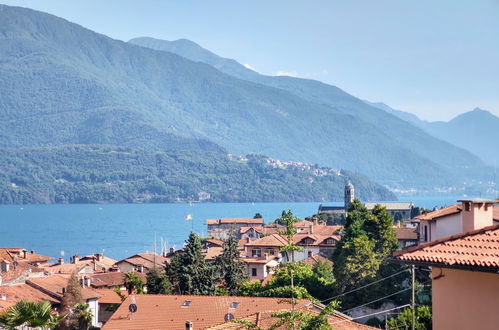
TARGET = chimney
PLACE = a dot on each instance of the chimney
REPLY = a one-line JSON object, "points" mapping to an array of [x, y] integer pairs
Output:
{"points": [[141, 268], [99, 256], [476, 214], [172, 250], [4, 266], [60, 261], [23, 254], [188, 325], [76, 259]]}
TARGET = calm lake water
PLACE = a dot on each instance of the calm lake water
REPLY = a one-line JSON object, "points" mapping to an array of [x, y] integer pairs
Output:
{"points": [[121, 230]]}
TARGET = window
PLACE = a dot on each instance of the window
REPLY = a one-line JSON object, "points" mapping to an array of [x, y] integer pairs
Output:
{"points": [[467, 207], [426, 233], [234, 304], [186, 303], [270, 252], [309, 254], [256, 253], [253, 271]]}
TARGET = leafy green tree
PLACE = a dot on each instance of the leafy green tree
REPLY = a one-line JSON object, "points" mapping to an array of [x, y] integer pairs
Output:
{"points": [[404, 319], [158, 282], [258, 216], [189, 272], [30, 314], [133, 283], [232, 270]]}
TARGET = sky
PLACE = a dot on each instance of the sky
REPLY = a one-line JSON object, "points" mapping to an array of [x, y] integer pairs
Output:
{"points": [[435, 59]]}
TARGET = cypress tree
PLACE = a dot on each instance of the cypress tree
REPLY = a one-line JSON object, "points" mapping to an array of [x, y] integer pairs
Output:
{"points": [[71, 297], [158, 282]]}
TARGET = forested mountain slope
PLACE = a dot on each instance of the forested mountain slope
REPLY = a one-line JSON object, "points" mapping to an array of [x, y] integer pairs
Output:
{"points": [[63, 84]]}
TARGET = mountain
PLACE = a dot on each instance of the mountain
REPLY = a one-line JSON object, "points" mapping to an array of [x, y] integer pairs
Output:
{"points": [[391, 150], [63, 84], [96, 173], [476, 131]]}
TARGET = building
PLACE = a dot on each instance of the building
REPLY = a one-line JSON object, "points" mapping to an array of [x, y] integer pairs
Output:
{"points": [[222, 228], [55, 286], [141, 262], [453, 220], [398, 210], [175, 312], [17, 265], [464, 273], [406, 236]]}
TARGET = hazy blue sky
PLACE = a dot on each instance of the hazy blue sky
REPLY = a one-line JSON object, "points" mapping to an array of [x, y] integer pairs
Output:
{"points": [[433, 58]]}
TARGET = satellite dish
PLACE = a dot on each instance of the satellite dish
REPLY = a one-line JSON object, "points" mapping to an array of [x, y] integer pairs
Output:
{"points": [[228, 317], [132, 308]]}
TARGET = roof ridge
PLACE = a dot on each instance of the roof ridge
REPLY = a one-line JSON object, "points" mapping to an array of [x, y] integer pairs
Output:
{"points": [[446, 239]]}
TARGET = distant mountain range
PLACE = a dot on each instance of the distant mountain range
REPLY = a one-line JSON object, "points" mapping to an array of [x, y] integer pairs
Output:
{"points": [[476, 131], [64, 85]]}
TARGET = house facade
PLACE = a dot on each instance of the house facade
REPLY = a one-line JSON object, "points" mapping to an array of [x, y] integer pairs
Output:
{"points": [[223, 228]]}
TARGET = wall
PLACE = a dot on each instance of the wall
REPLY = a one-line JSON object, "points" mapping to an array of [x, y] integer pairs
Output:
{"points": [[94, 309], [465, 300], [126, 267], [261, 271], [447, 226]]}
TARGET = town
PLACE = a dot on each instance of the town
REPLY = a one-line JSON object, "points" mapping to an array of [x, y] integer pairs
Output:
{"points": [[351, 267]]}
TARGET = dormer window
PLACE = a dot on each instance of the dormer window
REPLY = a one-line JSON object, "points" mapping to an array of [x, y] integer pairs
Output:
{"points": [[186, 303], [234, 304]]}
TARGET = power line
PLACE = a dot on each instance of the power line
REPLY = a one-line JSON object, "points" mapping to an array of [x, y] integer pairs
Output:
{"points": [[365, 286], [367, 315], [393, 294]]}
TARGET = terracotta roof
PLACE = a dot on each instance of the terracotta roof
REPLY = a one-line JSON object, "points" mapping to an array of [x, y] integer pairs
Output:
{"points": [[262, 260], [108, 296], [271, 240], [477, 250], [265, 320], [64, 268], [110, 280], [453, 209], [312, 260], [103, 262], [234, 220], [22, 269], [302, 223], [318, 239], [404, 233], [16, 293], [11, 254], [213, 252], [214, 241], [258, 229], [53, 285], [148, 260], [172, 311]]}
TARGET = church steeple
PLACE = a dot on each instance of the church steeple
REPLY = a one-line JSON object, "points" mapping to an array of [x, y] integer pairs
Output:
{"points": [[349, 195]]}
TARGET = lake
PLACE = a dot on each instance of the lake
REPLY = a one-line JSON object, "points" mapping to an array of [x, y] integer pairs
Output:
{"points": [[121, 230]]}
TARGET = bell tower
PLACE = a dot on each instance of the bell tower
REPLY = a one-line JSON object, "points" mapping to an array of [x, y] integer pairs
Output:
{"points": [[349, 195]]}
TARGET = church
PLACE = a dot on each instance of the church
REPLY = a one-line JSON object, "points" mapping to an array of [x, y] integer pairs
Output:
{"points": [[398, 210]]}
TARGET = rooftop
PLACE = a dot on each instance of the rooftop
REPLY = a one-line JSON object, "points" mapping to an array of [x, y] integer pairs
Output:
{"points": [[112, 279], [475, 250], [54, 285], [16, 293], [172, 311], [404, 233], [234, 221], [445, 211]]}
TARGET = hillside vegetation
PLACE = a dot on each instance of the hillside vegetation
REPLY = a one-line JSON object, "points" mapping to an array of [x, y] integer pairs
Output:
{"points": [[93, 173]]}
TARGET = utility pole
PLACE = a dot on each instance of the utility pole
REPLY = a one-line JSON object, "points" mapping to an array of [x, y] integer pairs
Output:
{"points": [[292, 300], [413, 302]]}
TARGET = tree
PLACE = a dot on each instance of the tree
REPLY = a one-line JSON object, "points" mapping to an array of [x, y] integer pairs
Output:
{"points": [[361, 255], [133, 283], [288, 220], [30, 314], [404, 319], [83, 316], [158, 282], [231, 268], [72, 296], [189, 272], [258, 216]]}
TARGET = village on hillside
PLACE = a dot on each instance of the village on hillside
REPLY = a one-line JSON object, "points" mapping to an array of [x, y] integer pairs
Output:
{"points": [[451, 252]]}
